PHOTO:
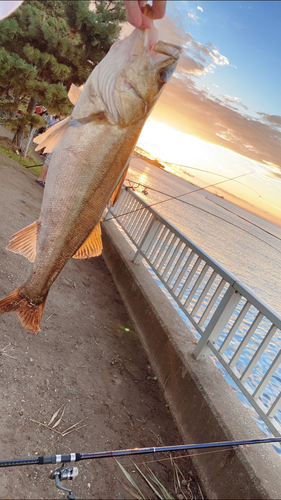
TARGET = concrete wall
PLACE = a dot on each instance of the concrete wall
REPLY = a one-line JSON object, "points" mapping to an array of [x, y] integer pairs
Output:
{"points": [[203, 405]]}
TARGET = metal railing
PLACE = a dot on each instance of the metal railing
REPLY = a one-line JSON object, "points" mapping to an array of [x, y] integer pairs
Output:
{"points": [[236, 326]]}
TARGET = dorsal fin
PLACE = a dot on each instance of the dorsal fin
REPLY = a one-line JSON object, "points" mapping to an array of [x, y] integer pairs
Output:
{"points": [[24, 242], [73, 94], [92, 246], [51, 137]]}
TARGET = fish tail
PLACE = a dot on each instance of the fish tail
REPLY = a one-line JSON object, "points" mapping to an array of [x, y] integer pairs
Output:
{"points": [[29, 314]]}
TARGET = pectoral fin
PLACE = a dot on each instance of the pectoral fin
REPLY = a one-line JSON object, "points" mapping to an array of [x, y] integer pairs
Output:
{"points": [[24, 242], [92, 246], [77, 122], [52, 136]]}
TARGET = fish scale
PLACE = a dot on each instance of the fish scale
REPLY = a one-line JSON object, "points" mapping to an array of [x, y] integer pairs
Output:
{"points": [[91, 153]]}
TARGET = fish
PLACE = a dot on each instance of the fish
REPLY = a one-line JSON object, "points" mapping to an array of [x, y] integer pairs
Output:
{"points": [[91, 149]]}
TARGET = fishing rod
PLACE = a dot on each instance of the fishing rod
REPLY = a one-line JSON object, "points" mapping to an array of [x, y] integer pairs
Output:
{"points": [[175, 197], [31, 166], [70, 473], [77, 457]]}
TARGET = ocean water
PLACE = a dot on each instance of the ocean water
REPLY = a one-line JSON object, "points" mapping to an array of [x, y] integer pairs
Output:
{"points": [[244, 244]]}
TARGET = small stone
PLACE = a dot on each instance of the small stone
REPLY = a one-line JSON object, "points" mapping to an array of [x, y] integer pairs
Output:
{"points": [[155, 378], [180, 496], [184, 482]]}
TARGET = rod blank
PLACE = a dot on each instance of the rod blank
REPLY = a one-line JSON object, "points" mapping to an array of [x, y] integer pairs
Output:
{"points": [[76, 457]]}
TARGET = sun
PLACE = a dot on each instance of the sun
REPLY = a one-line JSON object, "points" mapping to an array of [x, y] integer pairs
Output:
{"points": [[168, 144], [210, 164]]}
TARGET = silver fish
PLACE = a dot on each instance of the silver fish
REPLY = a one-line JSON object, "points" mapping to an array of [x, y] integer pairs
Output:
{"points": [[91, 153]]}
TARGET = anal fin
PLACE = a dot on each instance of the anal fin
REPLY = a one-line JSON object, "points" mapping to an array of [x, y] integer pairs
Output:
{"points": [[115, 195], [92, 246], [24, 242]]}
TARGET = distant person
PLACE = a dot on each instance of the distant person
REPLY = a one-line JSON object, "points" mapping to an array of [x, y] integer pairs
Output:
{"points": [[53, 120], [41, 179]]}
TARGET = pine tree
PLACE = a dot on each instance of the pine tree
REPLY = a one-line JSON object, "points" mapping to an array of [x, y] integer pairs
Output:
{"points": [[47, 45]]}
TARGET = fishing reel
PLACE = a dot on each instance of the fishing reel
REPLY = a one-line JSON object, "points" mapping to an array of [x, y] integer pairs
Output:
{"points": [[63, 473]]}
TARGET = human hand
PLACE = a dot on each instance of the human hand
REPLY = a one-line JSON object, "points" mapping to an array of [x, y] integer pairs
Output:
{"points": [[135, 15]]}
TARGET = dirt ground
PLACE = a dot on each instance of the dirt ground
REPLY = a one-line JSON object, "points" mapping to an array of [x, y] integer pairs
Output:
{"points": [[86, 361]]}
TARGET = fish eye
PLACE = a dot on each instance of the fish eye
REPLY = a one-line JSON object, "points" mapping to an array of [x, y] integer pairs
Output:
{"points": [[163, 76]]}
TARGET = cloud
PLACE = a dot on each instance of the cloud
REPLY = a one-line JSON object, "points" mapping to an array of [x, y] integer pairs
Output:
{"points": [[274, 120], [206, 56], [235, 100], [188, 65], [218, 58], [199, 8], [192, 16], [198, 113], [219, 120]]}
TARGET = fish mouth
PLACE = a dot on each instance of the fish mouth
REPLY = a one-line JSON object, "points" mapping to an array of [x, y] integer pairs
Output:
{"points": [[171, 53], [168, 49]]}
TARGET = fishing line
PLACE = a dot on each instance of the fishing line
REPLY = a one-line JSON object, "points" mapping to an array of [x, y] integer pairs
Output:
{"points": [[214, 173], [244, 218], [210, 213], [173, 197], [190, 204]]}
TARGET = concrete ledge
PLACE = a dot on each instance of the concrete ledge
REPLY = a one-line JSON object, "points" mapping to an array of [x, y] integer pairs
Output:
{"points": [[204, 406]]}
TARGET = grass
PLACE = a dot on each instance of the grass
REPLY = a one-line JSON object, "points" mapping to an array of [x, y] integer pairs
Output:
{"points": [[26, 162], [182, 489]]}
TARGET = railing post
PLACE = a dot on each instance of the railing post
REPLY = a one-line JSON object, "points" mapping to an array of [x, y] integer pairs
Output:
{"points": [[108, 213], [218, 321], [146, 240]]}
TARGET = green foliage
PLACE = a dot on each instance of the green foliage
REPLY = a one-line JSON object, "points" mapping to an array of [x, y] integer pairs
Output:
{"points": [[26, 162], [47, 45]]}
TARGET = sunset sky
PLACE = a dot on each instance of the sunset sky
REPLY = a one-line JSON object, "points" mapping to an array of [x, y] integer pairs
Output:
{"points": [[221, 110]]}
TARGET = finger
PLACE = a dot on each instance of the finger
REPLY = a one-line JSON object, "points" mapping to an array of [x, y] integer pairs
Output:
{"points": [[146, 23], [133, 13], [158, 9]]}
